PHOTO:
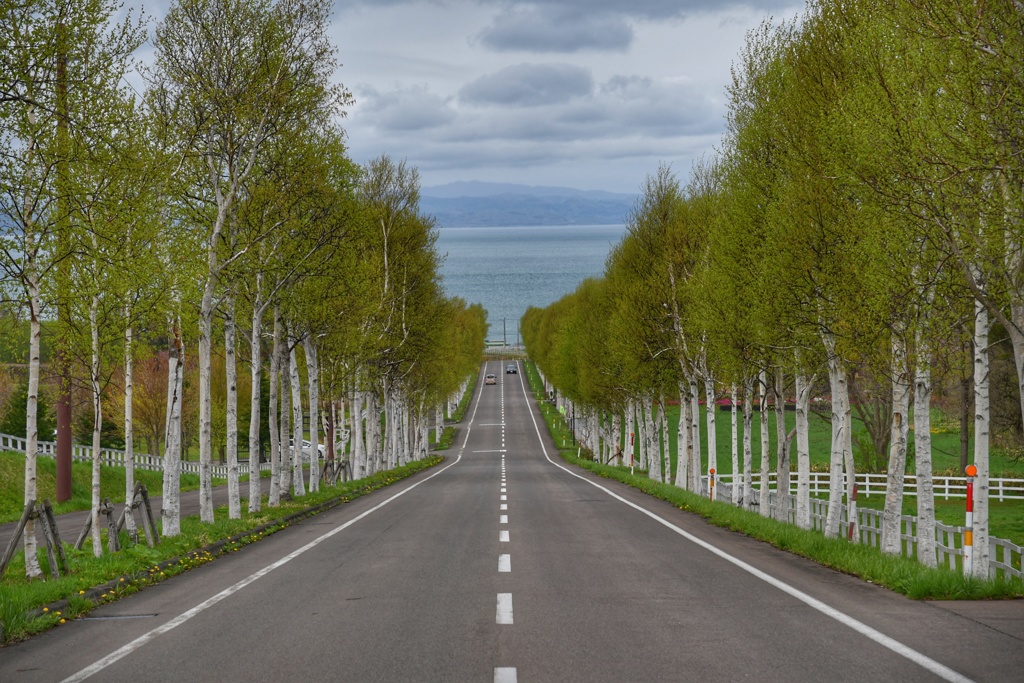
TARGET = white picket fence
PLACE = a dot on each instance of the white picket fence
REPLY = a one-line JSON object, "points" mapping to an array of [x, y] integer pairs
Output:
{"points": [[1005, 557], [874, 484], [116, 458]]}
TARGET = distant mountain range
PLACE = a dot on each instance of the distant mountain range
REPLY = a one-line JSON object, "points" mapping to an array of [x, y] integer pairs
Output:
{"points": [[480, 204]]}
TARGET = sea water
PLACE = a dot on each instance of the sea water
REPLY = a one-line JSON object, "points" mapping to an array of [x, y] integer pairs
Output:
{"points": [[510, 269]]}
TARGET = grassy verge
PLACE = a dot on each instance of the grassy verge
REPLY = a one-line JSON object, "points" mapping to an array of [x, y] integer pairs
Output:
{"points": [[899, 574], [29, 607]]}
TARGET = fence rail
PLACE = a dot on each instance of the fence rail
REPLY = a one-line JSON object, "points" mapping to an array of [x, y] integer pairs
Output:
{"points": [[113, 457], [868, 485], [1005, 557]]}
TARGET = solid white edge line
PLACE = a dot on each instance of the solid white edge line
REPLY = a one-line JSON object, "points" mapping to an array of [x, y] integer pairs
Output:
{"points": [[128, 648], [888, 642]]}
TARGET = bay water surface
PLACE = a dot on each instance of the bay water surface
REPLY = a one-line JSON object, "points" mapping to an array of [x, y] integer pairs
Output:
{"points": [[510, 269]]}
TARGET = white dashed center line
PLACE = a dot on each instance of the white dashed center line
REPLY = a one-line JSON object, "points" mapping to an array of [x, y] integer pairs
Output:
{"points": [[503, 536], [504, 563], [505, 674], [504, 613], [503, 519]]}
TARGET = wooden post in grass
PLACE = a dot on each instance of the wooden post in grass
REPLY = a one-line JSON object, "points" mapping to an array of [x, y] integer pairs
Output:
{"points": [[85, 532], [18, 531], [149, 526], [51, 519], [51, 555], [113, 542]]}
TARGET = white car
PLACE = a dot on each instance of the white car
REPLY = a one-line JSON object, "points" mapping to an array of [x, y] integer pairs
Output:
{"points": [[307, 448]]}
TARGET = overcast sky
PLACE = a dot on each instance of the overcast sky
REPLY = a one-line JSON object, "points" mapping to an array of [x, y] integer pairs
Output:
{"points": [[590, 94]]}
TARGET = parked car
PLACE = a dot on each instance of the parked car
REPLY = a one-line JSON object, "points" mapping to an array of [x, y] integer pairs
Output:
{"points": [[490, 379], [511, 370], [307, 448]]}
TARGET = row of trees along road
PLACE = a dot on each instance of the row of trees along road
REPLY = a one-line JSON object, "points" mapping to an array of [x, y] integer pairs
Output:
{"points": [[862, 222], [219, 203]]}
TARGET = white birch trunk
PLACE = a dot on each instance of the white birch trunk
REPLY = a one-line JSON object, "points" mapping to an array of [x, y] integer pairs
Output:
{"points": [[803, 451], [255, 380], [129, 431], [438, 423], [171, 499], [205, 407], [781, 450], [712, 409], [616, 438], [837, 384], [298, 480], [736, 479], [982, 425], [748, 449], [893, 509], [629, 437], [650, 436], [313, 370], [97, 423], [231, 414], [274, 496], [32, 568], [662, 467], [683, 441], [764, 503], [284, 398], [923, 454], [358, 460], [695, 453]]}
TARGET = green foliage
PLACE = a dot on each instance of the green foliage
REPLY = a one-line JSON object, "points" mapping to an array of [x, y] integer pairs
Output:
{"points": [[13, 421]]}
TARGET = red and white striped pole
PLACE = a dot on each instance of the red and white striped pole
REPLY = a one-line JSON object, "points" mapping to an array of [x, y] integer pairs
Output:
{"points": [[971, 471]]}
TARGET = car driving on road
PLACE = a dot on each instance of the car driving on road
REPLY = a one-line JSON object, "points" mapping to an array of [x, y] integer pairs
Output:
{"points": [[490, 379], [511, 370]]}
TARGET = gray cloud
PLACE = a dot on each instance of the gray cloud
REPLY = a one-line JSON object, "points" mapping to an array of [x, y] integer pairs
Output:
{"points": [[529, 85], [403, 109], [554, 30]]}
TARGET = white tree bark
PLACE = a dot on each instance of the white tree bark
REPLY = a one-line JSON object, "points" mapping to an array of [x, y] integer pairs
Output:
{"points": [[748, 450], [97, 422], [923, 453], [205, 398], [313, 370], [171, 499], [683, 458], [629, 437], [982, 424], [710, 398], [803, 451], [893, 509], [662, 468], [837, 384], [129, 432], [358, 459], [781, 449], [736, 480], [298, 480], [763, 499], [231, 414], [284, 397], [255, 381], [32, 568], [274, 496], [695, 454]]}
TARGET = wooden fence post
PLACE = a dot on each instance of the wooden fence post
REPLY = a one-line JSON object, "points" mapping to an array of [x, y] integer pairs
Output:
{"points": [[9, 552], [62, 558]]}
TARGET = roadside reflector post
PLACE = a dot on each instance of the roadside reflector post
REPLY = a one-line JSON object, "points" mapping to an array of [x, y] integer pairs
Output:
{"points": [[711, 483], [853, 513], [971, 472]]}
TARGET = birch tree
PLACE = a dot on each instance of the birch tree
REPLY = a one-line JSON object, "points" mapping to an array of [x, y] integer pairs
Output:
{"points": [[257, 69]]}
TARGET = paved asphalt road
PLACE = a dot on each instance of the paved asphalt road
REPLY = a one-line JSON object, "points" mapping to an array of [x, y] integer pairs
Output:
{"points": [[503, 564]]}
